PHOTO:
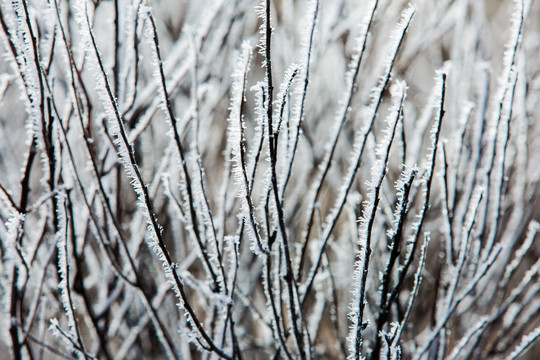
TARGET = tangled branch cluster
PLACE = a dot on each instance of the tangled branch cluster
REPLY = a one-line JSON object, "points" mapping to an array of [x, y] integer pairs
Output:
{"points": [[362, 182]]}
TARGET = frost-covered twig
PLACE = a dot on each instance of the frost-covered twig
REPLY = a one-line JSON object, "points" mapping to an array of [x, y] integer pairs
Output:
{"points": [[365, 229]]}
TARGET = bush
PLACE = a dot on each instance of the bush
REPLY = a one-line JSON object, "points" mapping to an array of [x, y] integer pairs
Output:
{"points": [[363, 183]]}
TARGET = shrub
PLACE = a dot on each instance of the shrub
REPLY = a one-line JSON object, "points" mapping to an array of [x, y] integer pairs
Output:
{"points": [[361, 183]]}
